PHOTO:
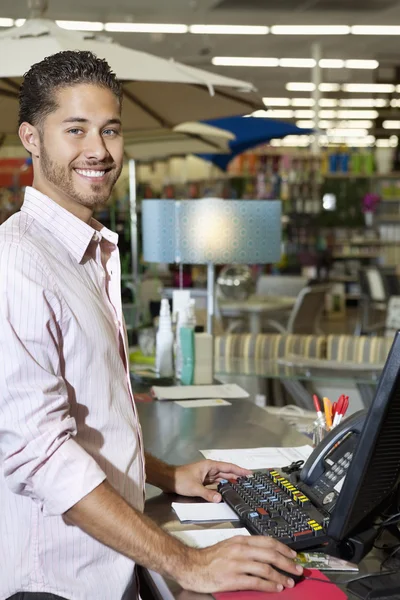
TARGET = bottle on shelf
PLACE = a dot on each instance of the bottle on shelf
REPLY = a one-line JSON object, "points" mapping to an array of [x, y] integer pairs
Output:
{"points": [[164, 342], [186, 318]]}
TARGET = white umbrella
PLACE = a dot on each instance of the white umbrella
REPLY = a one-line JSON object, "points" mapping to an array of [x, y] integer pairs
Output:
{"points": [[158, 93], [187, 138]]}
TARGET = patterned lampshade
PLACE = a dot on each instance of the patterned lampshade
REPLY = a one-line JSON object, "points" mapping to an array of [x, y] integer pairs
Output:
{"points": [[211, 231]]}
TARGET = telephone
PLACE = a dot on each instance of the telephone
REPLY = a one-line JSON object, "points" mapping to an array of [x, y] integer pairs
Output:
{"points": [[322, 476]]}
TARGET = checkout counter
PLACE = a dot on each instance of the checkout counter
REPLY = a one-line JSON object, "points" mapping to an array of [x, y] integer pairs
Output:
{"points": [[175, 435]]}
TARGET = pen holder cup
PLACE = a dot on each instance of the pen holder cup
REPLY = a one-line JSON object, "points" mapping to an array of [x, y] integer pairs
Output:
{"points": [[318, 433]]}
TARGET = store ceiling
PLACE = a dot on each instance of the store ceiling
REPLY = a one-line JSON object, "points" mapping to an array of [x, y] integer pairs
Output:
{"points": [[198, 50]]}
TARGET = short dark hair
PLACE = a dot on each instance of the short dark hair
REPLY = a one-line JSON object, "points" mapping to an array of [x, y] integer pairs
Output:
{"points": [[37, 93]]}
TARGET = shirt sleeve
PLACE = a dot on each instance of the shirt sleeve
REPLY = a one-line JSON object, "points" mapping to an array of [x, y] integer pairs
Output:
{"points": [[38, 453]]}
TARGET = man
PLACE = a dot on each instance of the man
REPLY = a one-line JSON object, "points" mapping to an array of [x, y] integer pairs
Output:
{"points": [[72, 462]]}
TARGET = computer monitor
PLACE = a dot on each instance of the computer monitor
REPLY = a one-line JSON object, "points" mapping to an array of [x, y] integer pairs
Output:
{"points": [[375, 468]]}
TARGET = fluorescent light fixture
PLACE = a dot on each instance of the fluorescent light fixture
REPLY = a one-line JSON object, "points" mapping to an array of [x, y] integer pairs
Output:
{"points": [[392, 142], [81, 25], [329, 87], [19, 22], [328, 102], [304, 114], [328, 114], [303, 101], [305, 124], [146, 27], [310, 29], [375, 30], [357, 114], [344, 132], [395, 103], [391, 124], [383, 88], [279, 114], [361, 64], [300, 86], [244, 61], [306, 63], [345, 124], [6, 22], [363, 102], [276, 101], [331, 63], [229, 29], [398, 88]]}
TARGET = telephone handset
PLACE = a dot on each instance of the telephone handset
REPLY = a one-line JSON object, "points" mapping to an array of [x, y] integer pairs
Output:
{"points": [[322, 476]]}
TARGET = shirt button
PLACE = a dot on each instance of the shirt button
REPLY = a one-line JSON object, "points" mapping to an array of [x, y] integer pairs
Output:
{"points": [[96, 236]]}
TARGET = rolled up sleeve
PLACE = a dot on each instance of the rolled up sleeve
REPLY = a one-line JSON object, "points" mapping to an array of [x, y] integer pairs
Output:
{"points": [[38, 453]]}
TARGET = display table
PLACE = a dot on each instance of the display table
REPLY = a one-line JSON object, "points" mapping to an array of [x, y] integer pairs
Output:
{"points": [[256, 308], [176, 435]]}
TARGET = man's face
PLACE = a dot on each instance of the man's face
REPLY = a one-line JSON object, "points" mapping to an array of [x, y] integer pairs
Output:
{"points": [[81, 145]]}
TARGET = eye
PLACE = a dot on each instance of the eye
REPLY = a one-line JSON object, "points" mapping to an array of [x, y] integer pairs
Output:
{"points": [[75, 131], [109, 132]]}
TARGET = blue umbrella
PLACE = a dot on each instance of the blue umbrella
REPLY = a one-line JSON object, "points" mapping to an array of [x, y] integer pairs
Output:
{"points": [[249, 132]]}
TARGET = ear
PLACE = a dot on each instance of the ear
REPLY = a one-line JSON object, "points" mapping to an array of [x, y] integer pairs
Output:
{"points": [[29, 136]]}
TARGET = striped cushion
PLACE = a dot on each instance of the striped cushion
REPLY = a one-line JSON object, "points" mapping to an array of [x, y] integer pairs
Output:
{"points": [[269, 345], [362, 349]]}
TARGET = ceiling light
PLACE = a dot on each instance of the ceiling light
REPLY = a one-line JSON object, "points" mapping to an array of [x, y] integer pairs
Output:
{"points": [[328, 102], [329, 87], [391, 124], [375, 30], [310, 29], [19, 22], [358, 114], [361, 64], [6, 22], [146, 27], [331, 63], [306, 63], [327, 114], [398, 88], [369, 87], [305, 124], [348, 132], [345, 124], [276, 101], [244, 61], [81, 25], [363, 102], [300, 86], [230, 29], [303, 101], [279, 114], [395, 103], [304, 114]]}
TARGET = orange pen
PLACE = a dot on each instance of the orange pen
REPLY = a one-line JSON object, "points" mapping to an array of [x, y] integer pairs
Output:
{"points": [[328, 413]]}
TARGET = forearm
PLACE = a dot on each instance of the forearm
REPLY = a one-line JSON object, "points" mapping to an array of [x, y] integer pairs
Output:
{"points": [[105, 516], [159, 473]]}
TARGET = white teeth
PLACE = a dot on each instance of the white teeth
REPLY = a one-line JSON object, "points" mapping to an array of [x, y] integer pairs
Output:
{"points": [[88, 173]]}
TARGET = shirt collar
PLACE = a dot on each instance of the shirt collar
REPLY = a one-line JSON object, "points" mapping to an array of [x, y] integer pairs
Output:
{"points": [[71, 231]]}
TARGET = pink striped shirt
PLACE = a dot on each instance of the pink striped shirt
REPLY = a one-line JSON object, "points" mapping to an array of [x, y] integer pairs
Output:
{"points": [[67, 414]]}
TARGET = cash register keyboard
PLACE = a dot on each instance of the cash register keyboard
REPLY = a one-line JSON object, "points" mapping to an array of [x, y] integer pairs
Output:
{"points": [[269, 504]]}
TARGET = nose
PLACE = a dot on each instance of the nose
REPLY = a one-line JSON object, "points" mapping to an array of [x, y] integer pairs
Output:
{"points": [[95, 147]]}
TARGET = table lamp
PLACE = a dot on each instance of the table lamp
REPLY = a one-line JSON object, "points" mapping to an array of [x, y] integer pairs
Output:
{"points": [[211, 231]]}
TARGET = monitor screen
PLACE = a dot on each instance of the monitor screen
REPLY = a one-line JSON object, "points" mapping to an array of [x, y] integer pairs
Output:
{"points": [[375, 469]]}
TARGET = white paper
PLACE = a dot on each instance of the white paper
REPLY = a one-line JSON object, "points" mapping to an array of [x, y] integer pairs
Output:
{"points": [[204, 511], [202, 402], [260, 458], [183, 392], [201, 538]]}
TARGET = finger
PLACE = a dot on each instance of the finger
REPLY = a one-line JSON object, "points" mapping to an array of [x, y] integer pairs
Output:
{"points": [[203, 492], [230, 469], [266, 572], [247, 582]]}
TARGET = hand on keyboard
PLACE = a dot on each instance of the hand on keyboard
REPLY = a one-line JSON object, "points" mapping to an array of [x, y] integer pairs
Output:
{"points": [[240, 563]]}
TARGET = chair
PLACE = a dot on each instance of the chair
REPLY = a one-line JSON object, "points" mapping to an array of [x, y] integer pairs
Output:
{"points": [[374, 299], [306, 313], [280, 285]]}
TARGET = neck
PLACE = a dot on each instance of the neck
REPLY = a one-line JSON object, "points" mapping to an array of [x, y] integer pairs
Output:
{"points": [[78, 210]]}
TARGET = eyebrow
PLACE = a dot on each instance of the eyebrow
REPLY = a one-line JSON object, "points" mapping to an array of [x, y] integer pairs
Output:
{"points": [[82, 120]]}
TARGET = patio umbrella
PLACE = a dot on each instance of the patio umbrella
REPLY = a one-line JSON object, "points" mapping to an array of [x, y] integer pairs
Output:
{"points": [[158, 93], [187, 138], [249, 132]]}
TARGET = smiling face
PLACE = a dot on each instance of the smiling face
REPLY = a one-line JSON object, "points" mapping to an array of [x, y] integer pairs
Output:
{"points": [[77, 151]]}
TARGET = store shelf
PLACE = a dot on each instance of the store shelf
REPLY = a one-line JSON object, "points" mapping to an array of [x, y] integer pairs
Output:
{"points": [[394, 175], [355, 256]]}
